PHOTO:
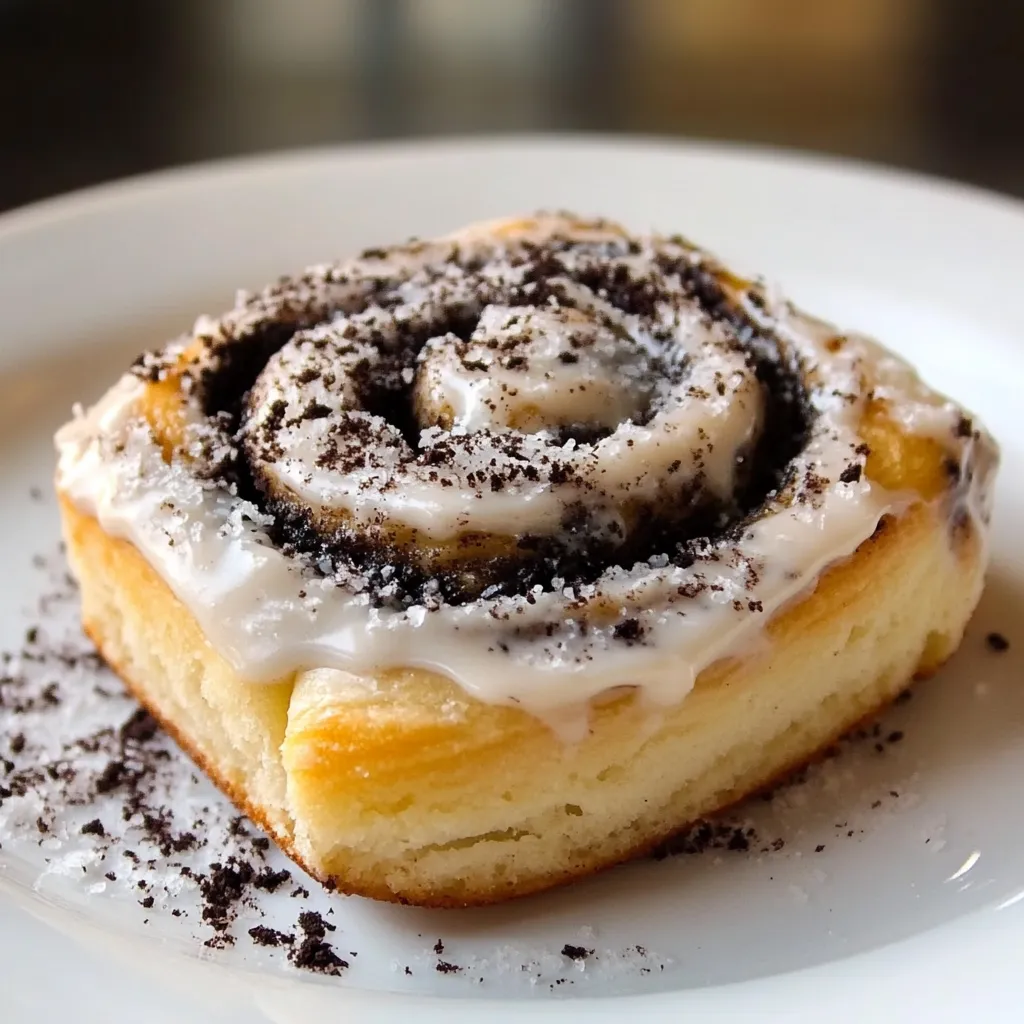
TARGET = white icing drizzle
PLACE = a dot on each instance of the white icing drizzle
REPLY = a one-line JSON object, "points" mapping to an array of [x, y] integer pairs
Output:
{"points": [[580, 372], [268, 614], [524, 368]]}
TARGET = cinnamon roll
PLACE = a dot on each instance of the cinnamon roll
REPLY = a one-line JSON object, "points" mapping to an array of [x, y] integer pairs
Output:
{"points": [[468, 567]]}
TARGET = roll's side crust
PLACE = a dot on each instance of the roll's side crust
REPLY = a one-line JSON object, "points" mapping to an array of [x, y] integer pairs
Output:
{"points": [[402, 787]]}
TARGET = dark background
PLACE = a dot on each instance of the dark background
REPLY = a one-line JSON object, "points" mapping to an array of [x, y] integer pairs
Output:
{"points": [[96, 89]]}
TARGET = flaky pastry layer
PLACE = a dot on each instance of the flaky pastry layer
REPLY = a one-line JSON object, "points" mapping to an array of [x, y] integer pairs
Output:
{"points": [[401, 787]]}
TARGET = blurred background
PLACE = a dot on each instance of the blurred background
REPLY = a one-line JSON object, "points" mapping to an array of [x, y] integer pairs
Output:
{"points": [[96, 89]]}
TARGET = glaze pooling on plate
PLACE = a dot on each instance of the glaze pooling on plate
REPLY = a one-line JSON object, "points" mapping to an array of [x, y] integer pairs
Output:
{"points": [[351, 451]]}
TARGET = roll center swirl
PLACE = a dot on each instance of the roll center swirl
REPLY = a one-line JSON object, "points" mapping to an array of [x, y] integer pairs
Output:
{"points": [[535, 368], [543, 458], [495, 414]]}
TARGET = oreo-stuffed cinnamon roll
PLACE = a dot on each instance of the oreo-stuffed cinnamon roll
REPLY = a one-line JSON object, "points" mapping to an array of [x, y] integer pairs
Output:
{"points": [[468, 567]]}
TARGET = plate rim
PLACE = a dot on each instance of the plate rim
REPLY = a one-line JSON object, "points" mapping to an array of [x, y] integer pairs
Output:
{"points": [[133, 188], [891, 966]]}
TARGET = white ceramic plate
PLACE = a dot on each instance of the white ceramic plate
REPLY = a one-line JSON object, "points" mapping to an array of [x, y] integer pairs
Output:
{"points": [[918, 913]]}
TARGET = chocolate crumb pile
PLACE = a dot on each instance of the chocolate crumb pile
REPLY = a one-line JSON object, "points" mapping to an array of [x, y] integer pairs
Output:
{"points": [[93, 790], [314, 952]]}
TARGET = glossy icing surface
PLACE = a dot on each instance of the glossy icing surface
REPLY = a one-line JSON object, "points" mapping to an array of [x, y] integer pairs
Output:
{"points": [[525, 404]]}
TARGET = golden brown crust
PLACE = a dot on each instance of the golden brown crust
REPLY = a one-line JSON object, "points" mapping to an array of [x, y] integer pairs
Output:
{"points": [[443, 901], [205, 764], [101, 559]]}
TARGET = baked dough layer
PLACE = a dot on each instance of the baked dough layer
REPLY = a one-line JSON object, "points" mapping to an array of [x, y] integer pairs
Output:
{"points": [[402, 787]]}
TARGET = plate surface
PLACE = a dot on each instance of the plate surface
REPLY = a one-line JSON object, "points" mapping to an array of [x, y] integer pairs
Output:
{"points": [[891, 877]]}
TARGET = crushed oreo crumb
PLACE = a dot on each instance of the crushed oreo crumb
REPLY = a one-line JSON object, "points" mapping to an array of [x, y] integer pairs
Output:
{"points": [[708, 835], [577, 953], [264, 936], [997, 642], [314, 952], [629, 630], [271, 880], [223, 889]]}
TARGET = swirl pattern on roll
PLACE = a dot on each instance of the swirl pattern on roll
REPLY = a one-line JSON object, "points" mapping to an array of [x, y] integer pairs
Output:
{"points": [[544, 458], [469, 411]]}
